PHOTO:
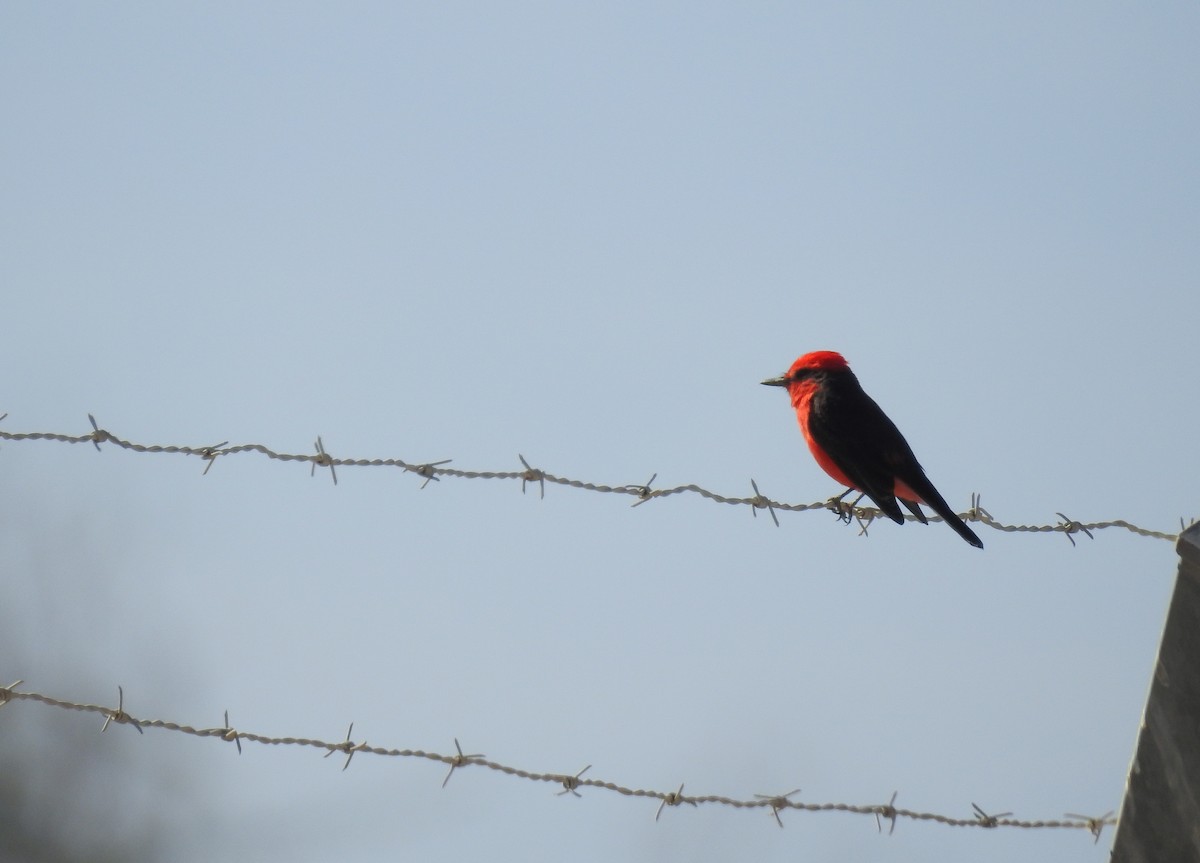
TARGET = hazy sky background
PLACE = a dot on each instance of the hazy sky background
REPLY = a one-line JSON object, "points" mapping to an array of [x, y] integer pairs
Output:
{"points": [[585, 233]]}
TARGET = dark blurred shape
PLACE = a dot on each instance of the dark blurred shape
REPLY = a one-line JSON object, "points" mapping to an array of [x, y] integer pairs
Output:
{"points": [[68, 792], [62, 787]]}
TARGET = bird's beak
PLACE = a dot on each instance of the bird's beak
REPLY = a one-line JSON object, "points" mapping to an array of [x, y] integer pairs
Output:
{"points": [[780, 381]]}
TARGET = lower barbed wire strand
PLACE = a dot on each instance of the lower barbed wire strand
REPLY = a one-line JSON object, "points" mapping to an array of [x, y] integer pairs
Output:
{"points": [[10, 695]]}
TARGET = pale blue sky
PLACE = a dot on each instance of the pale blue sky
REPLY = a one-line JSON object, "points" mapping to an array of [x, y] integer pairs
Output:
{"points": [[585, 234]]}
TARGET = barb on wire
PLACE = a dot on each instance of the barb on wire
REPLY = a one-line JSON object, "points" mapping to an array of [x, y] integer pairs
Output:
{"points": [[1094, 825], [6, 692], [532, 475], [989, 821], [887, 812], [98, 435], [427, 470], [774, 803], [644, 492], [431, 471], [674, 798], [1071, 526], [209, 454], [226, 732], [865, 518], [760, 501], [570, 783], [119, 715], [348, 746], [460, 760], [323, 459]]}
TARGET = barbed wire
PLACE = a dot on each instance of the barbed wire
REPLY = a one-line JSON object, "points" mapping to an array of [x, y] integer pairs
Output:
{"points": [[435, 471], [570, 783]]}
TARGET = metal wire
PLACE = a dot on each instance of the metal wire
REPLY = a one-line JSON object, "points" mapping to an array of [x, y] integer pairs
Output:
{"points": [[436, 471], [570, 783]]}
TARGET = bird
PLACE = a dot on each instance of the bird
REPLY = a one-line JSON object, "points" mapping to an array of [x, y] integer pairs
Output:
{"points": [[856, 443]]}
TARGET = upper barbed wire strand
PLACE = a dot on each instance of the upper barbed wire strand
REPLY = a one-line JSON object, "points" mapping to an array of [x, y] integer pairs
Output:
{"points": [[643, 492]]}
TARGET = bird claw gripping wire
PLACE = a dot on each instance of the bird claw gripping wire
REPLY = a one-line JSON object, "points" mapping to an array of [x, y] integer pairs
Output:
{"points": [[461, 760], [532, 474], [672, 798], [1094, 825], [986, 820], [1069, 526], [760, 501], [427, 470], [777, 802], [570, 783], [849, 513], [119, 715], [838, 506]]}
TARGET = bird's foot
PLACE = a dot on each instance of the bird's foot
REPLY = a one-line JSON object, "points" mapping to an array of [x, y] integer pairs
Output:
{"points": [[844, 511]]}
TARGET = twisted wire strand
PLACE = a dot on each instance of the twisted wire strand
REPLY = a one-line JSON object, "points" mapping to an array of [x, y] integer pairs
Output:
{"points": [[643, 492], [570, 783]]}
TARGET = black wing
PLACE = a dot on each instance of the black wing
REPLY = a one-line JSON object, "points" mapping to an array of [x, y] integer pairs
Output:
{"points": [[872, 453], [862, 441]]}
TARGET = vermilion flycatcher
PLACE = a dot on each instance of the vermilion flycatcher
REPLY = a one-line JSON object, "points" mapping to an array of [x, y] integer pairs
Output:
{"points": [[853, 440]]}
